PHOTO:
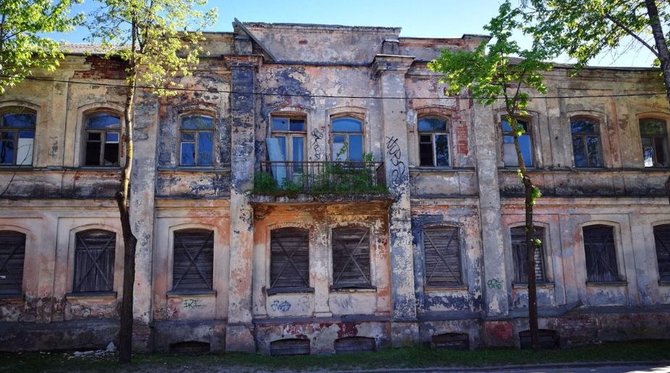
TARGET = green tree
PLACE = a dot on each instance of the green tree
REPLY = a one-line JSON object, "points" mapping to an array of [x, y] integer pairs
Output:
{"points": [[151, 37], [493, 77], [22, 46], [585, 28]]}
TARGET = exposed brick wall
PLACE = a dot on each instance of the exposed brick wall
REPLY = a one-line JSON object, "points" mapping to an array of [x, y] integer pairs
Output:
{"points": [[102, 68]]}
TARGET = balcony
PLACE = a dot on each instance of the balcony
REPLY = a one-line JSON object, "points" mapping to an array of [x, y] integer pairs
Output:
{"points": [[320, 178]]}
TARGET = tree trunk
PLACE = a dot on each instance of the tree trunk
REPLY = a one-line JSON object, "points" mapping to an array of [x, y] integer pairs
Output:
{"points": [[661, 45], [129, 240], [529, 202]]}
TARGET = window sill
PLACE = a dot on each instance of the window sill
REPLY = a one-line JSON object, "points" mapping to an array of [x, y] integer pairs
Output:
{"points": [[92, 295], [441, 169], [446, 288], [11, 296], [608, 283], [361, 289], [664, 282], [541, 285], [273, 291], [190, 293], [99, 168]]}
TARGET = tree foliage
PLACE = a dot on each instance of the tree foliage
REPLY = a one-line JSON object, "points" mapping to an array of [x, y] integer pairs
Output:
{"points": [[153, 39], [23, 48], [494, 77]]}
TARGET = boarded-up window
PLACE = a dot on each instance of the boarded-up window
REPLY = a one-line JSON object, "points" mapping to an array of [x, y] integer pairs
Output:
{"points": [[289, 259], [351, 257], [94, 261], [193, 259], [662, 238], [12, 254], [442, 254], [520, 253], [600, 254]]}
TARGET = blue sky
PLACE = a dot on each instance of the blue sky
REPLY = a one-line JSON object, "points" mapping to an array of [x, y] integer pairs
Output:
{"points": [[417, 18]]}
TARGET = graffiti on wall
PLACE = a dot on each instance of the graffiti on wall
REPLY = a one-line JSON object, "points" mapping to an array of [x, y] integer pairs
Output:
{"points": [[317, 135], [280, 306], [399, 173]]}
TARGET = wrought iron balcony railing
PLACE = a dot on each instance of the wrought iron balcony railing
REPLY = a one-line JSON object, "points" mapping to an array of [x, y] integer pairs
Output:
{"points": [[284, 178]]}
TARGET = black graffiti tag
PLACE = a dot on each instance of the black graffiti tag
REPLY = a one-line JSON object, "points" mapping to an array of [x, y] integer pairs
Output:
{"points": [[316, 136], [400, 169]]}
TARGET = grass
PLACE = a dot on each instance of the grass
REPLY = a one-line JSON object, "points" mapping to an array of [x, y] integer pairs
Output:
{"points": [[414, 357]]}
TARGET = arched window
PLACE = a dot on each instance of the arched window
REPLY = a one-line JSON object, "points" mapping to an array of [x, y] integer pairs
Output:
{"points": [[103, 137], [442, 256], [525, 143], [654, 138], [586, 142], [347, 139], [197, 136], [12, 255], [600, 253], [17, 134], [520, 253], [193, 261], [662, 241], [351, 257], [433, 142], [289, 259], [94, 261]]}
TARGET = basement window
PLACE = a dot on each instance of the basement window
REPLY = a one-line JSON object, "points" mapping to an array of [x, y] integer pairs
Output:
{"points": [[442, 255], [12, 256], [662, 240], [103, 136], [520, 253], [193, 263], [289, 260], [94, 261], [351, 258]]}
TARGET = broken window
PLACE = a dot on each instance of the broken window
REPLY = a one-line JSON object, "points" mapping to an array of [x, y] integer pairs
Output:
{"points": [[289, 259], [351, 257], [103, 138], [433, 142], [442, 253], [94, 261], [193, 260], [197, 135], [12, 255], [17, 134], [654, 137], [286, 147], [347, 139], [520, 253], [586, 143], [662, 239], [600, 254], [525, 144]]}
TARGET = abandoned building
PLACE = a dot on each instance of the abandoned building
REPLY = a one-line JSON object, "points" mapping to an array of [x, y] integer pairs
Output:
{"points": [[313, 189]]}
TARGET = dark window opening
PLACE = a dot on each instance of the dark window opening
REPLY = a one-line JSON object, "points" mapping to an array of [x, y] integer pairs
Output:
{"points": [[662, 240], [289, 259], [103, 136], [600, 253], [520, 254], [193, 262], [433, 142], [12, 256], [351, 257], [586, 143], [442, 254], [654, 138], [94, 261]]}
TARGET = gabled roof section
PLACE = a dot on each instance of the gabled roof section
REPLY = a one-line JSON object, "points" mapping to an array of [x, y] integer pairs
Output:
{"points": [[319, 44]]}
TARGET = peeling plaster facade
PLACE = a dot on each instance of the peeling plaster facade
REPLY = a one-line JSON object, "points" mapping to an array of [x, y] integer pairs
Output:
{"points": [[317, 73]]}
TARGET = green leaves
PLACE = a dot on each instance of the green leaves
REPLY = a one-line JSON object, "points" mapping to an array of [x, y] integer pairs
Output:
{"points": [[22, 48], [153, 37]]}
